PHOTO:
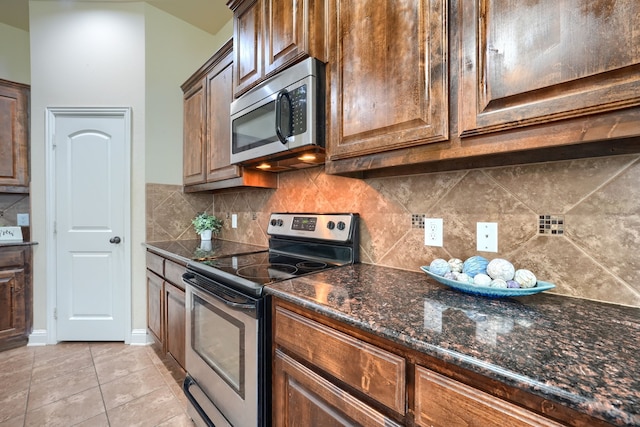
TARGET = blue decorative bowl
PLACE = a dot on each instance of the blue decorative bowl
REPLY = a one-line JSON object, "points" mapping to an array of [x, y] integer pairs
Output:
{"points": [[487, 291]]}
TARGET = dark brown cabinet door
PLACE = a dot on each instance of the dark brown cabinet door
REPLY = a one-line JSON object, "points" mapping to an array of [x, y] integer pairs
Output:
{"points": [[303, 398], [14, 137], [388, 76], [12, 307], [175, 320], [294, 29], [247, 45], [525, 63], [219, 97], [154, 306], [194, 148]]}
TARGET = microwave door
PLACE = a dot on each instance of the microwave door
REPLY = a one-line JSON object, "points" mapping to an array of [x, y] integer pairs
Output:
{"points": [[253, 134]]}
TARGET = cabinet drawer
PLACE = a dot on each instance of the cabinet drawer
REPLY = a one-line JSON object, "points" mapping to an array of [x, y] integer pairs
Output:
{"points": [[441, 401], [373, 371], [173, 272], [11, 258], [155, 263]]}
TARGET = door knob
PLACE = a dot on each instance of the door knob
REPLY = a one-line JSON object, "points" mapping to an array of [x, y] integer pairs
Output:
{"points": [[115, 240]]}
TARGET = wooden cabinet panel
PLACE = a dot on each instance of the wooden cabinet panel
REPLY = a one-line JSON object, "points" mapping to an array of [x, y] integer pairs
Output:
{"points": [[14, 137], [155, 316], [173, 273], [155, 263], [194, 149], [441, 401], [175, 322], [388, 79], [294, 29], [303, 398], [247, 45], [373, 371], [12, 307], [16, 301], [529, 63], [219, 97]]}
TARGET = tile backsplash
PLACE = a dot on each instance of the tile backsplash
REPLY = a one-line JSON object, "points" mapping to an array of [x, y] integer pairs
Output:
{"points": [[10, 206], [598, 201]]}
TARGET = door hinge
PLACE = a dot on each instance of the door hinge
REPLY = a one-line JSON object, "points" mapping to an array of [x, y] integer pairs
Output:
{"points": [[55, 313]]}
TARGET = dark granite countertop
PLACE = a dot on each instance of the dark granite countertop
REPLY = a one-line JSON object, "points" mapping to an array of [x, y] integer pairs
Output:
{"points": [[194, 249], [579, 353], [8, 244]]}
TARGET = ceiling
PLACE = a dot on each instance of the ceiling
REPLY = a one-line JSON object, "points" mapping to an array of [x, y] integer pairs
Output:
{"points": [[208, 15]]}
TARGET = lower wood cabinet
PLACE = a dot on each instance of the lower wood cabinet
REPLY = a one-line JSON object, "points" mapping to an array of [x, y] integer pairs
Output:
{"points": [[16, 310], [329, 373], [166, 305]]}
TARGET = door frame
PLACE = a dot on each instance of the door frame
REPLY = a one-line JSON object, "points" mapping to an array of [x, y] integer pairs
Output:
{"points": [[52, 113]]}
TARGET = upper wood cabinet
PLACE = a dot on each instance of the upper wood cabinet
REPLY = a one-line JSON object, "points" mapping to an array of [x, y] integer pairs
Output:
{"points": [[14, 137], [525, 63], [270, 35], [526, 81], [388, 79], [207, 145]]}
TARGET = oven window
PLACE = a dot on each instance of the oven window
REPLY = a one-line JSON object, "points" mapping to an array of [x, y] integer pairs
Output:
{"points": [[219, 338], [255, 128]]}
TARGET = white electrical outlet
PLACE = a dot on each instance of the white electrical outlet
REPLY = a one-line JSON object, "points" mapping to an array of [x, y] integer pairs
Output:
{"points": [[487, 236], [23, 219], [433, 232], [234, 220]]}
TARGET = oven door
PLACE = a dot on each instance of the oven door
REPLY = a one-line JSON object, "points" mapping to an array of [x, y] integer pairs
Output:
{"points": [[222, 353]]}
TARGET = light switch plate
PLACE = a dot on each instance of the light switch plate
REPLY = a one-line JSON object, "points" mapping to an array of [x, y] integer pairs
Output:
{"points": [[487, 236], [23, 219], [234, 220]]}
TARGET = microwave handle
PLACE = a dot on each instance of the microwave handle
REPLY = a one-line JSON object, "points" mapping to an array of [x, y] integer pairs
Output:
{"points": [[283, 94]]}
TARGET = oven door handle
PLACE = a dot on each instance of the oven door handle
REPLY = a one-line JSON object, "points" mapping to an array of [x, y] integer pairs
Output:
{"points": [[236, 305], [188, 382]]}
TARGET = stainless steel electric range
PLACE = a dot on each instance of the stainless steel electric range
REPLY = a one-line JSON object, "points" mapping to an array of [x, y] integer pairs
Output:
{"points": [[227, 336]]}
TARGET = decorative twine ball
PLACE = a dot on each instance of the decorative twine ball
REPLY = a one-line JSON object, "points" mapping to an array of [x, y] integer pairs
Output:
{"points": [[498, 283], [475, 265], [456, 265], [464, 278], [451, 275], [439, 266], [512, 284], [481, 280], [500, 268], [526, 278]]}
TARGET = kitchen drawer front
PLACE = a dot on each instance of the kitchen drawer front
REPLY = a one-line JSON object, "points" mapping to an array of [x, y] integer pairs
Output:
{"points": [[11, 258], [302, 397], [173, 272], [155, 263], [441, 401], [369, 369]]}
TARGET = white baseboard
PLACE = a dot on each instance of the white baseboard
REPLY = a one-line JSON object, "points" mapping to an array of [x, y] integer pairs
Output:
{"points": [[38, 337], [140, 337]]}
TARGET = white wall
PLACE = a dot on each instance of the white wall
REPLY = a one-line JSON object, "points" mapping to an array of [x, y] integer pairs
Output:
{"points": [[14, 54], [87, 54], [174, 50]]}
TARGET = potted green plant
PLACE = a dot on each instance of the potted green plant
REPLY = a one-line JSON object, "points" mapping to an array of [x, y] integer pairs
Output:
{"points": [[206, 225]]}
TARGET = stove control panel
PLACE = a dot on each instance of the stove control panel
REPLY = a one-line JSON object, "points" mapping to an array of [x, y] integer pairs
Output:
{"points": [[331, 227]]}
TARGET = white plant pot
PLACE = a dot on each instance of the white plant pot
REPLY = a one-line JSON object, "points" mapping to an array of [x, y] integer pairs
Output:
{"points": [[205, 235]]}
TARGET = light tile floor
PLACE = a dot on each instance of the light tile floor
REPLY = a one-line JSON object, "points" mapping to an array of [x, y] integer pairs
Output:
{"points": [[90, 384]]}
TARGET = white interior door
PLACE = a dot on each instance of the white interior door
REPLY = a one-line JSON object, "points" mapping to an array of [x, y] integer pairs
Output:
{"points": [[90, 152]]}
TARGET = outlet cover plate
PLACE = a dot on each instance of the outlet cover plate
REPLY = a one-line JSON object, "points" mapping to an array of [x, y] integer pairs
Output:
{"points": [[22, 219], [433, 232], [487, 236]]}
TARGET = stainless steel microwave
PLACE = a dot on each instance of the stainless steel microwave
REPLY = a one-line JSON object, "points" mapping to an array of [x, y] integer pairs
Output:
{"points": [[282, 116]]}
